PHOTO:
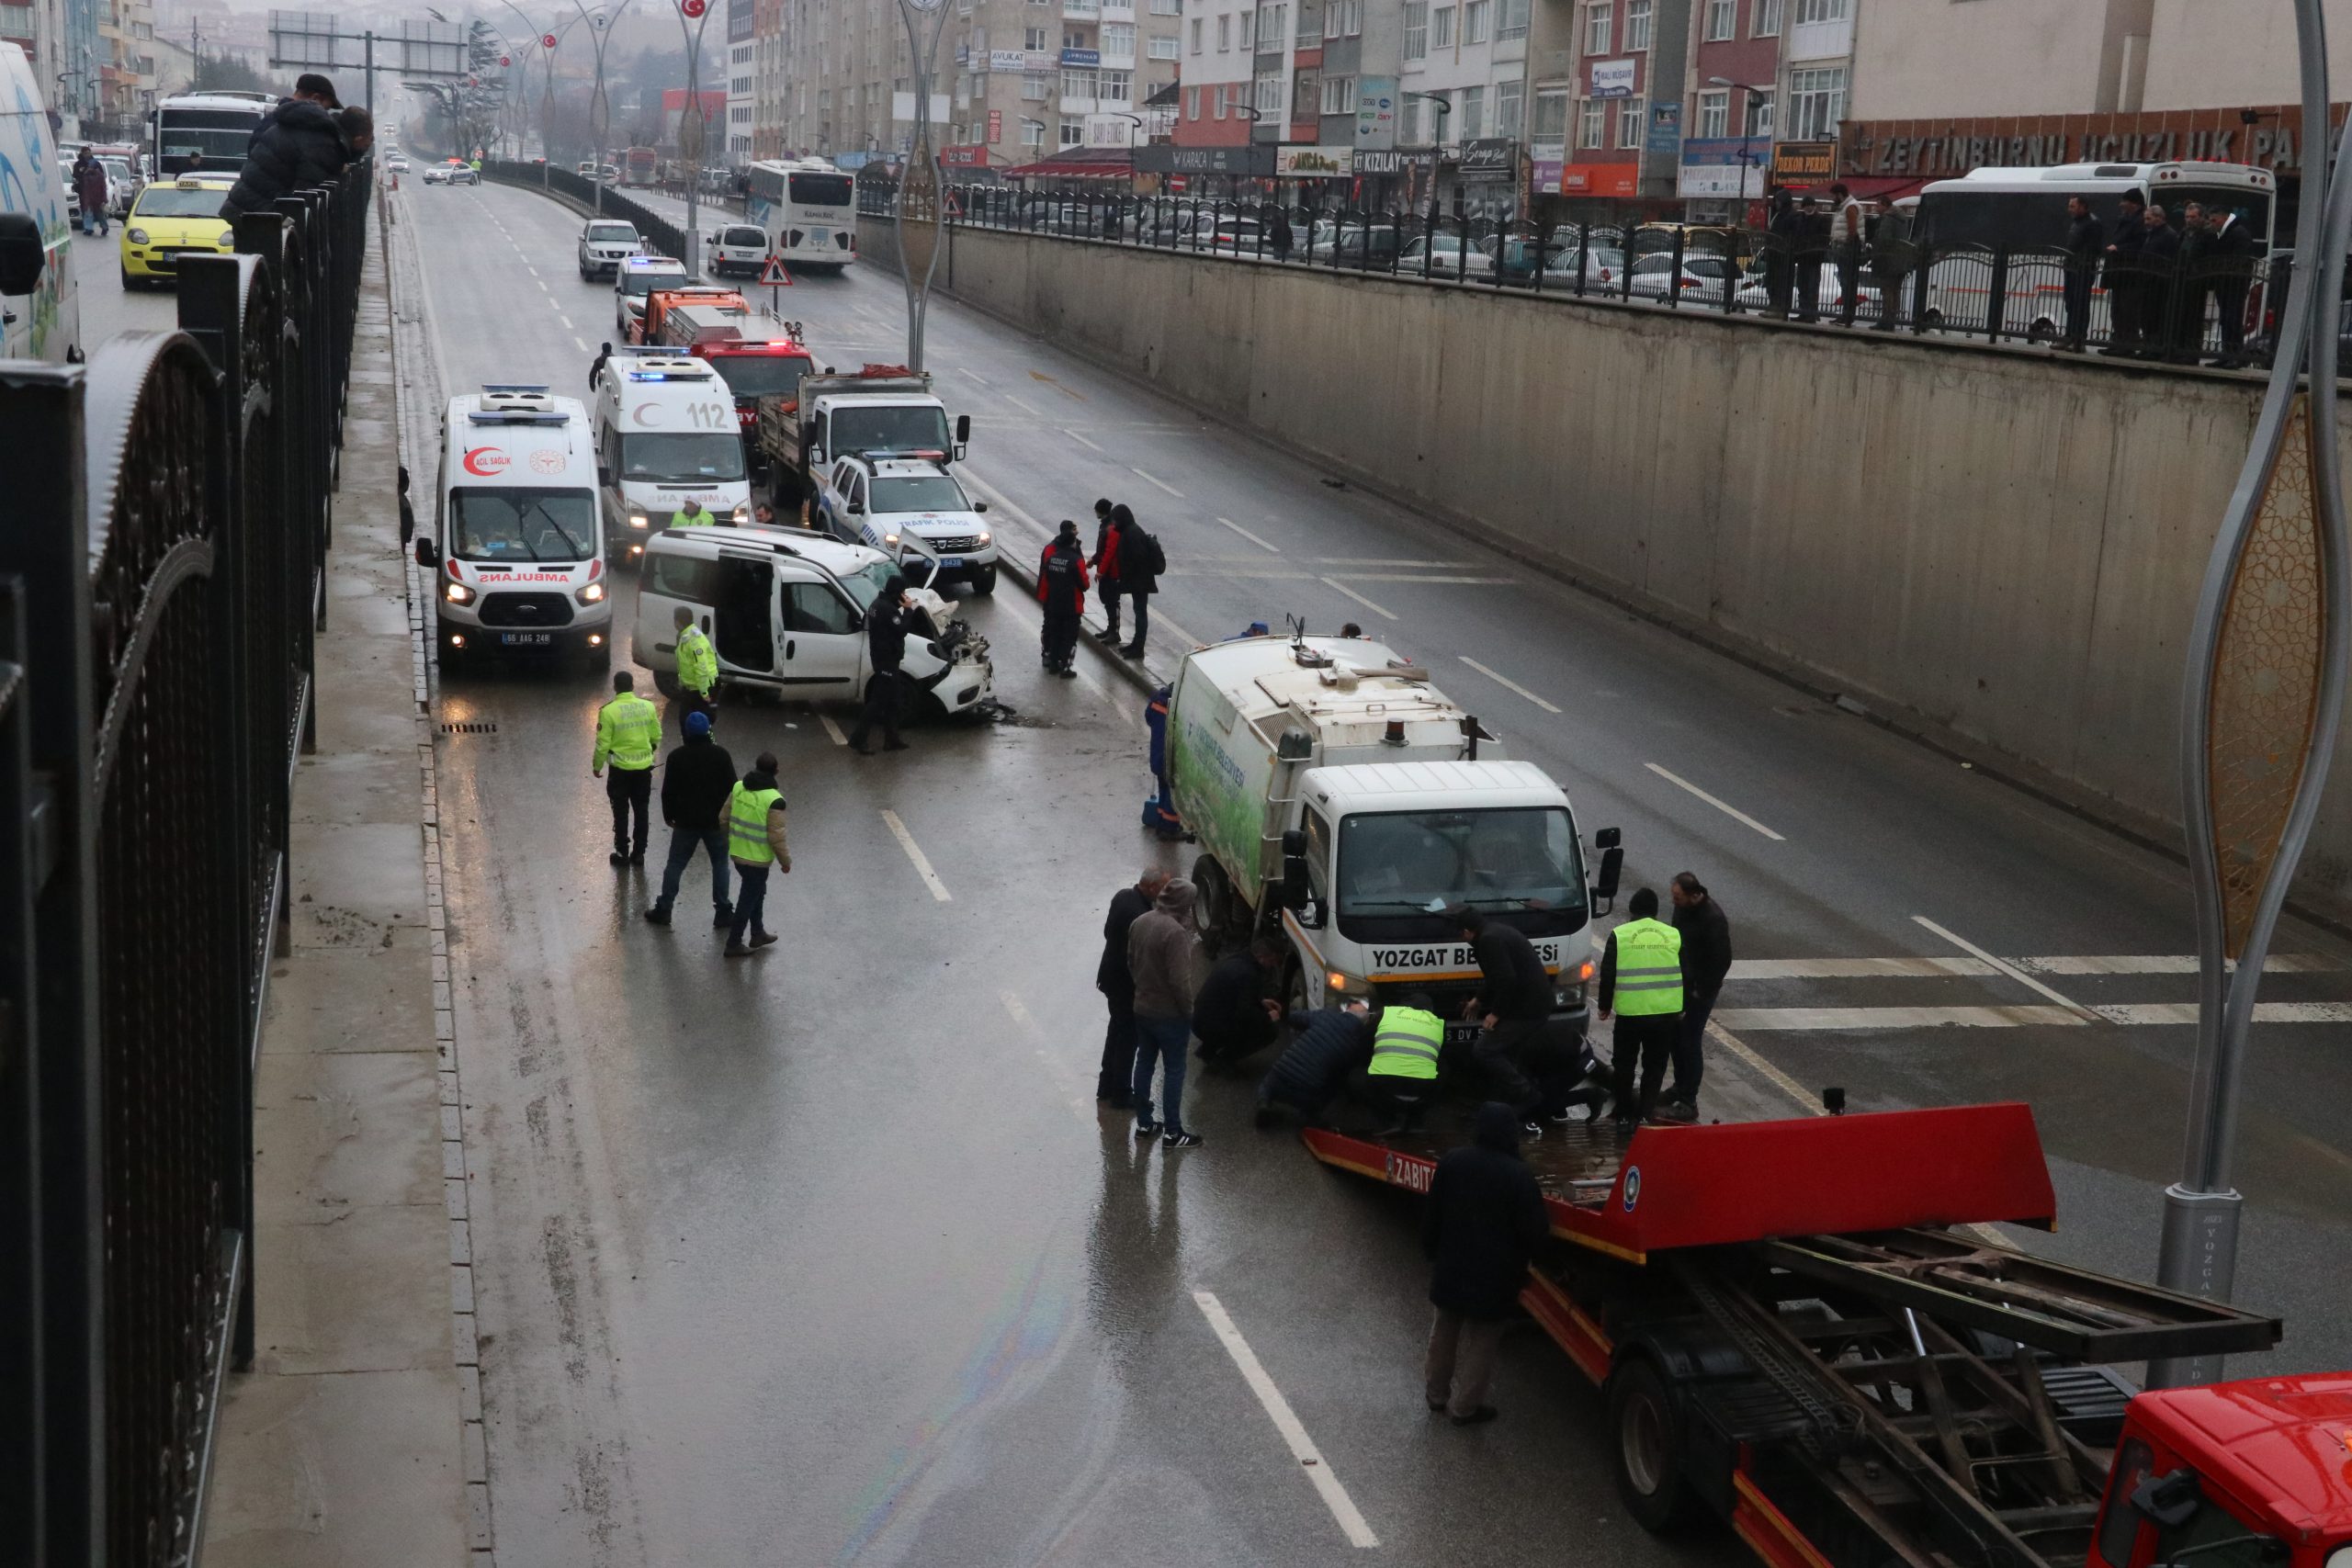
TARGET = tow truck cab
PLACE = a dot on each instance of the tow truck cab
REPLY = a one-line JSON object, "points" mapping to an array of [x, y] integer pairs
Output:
{"points": [[2255, 1473], [516, 552]]}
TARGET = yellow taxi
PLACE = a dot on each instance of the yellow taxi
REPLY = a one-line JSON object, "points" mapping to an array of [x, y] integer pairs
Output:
{"points": [[169, 218]]}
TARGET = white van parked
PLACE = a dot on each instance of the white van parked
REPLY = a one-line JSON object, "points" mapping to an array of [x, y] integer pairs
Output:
{"points": [[786, 612], [41, 315], [520, 561], [666, 434]]}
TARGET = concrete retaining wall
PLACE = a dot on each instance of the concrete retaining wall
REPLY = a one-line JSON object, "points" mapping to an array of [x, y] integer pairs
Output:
{"points": [[1991, 547]]}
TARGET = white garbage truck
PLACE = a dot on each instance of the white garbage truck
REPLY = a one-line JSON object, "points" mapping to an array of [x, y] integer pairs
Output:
{"points": [[1341, 803]]}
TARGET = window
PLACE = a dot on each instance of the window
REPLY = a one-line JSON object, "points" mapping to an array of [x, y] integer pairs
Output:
{"points": [[1118, 86], [1272, 22], [1034, 86], [1198, 28], [1473, 112], [1332, 20], [1353, 9], [1756, 119], [1270, 94], [1073, 130], [815, 609], [1409, 123], [1224, 90], [1119, 38], [1715, 113], [1590, 117], [1637, 25], [1167, 7], [1597, 17], [1551, 125], [1306, 93], [1033, 131], [1034, 41], [1513, 24], [1071, 39], [1509, 99], [1160, 48], [1338, 95], [1310, 26], [1723, 19], [1442, 28], [1823, 10], [1078, 83], [1816, 102], [1224, 33], [1474, 21], [1631, 114], [1417, 29], [1764, 20]]}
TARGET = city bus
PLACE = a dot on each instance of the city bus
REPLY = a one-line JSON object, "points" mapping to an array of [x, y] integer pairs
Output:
{"points": [[2023, 211], [809, 210], [215, 126]]}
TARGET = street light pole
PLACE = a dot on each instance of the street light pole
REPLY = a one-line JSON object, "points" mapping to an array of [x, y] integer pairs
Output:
{"points": [[1443, 108], [1747, 127], [2262, 701], [699, 9], [919, 221]]}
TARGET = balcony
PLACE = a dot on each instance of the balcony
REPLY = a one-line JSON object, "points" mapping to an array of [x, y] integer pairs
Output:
{"points": [[1118, 10], [1082, 10], [1821, 40], [1119, 59]]}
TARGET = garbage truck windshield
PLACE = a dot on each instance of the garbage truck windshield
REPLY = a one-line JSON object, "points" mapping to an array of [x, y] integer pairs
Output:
{"points": [[1407, 866]]}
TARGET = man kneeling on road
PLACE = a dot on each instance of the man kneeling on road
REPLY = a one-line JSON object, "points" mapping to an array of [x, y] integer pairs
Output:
{"points": [[1401, 1079], [697, 781], [1232, 1015], [1326, 1046]]}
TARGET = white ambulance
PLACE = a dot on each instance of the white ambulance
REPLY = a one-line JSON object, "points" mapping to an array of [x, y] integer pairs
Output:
{"points": [[666, 434], [519, 561]]}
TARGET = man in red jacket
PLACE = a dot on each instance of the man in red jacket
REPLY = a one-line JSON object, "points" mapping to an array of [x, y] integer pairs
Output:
{"points": [[1061, 589]]}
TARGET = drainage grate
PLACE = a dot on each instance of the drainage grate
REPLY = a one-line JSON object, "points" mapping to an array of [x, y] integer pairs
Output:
{"points": [[470, 730]]}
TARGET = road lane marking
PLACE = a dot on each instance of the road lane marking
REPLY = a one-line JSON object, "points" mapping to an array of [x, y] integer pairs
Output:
{"points": [[1796, 1092], [583, 343], [2263, 1012], [1082, 440], [1854, 968], [1334, 582], [1423, 577], [914, 852], [2169, 963], [2023, 1015], [1056, 1068], [973, 374], [1024, 408], [1351, 561], [1294, 1432], [1507, 683], [565, 319], [1248, 536], [2011, 970], [1725, 807], [1161, 483], [832, 731]]}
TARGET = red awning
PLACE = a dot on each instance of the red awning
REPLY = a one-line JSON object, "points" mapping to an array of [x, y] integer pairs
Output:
{"points": [[1868, 188], [1079, 164]]}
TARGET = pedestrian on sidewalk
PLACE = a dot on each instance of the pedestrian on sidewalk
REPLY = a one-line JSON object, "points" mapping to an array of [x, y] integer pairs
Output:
{"points": [[1326, 1044], [1480, 1226], [408, 513], [1140, 563], [2160, 256], [1115, 1083], [2229, 250], [2081, 245], [2125, 280], [698, 668], [1106, 564], [1779, 255], [299, 144], [886, 646], [755, 843], [697, 781], [628, 734], [1160, 949], [1706, 960], [1061, 589], [1233, 1017], [1846, 250], [1641, 980]]}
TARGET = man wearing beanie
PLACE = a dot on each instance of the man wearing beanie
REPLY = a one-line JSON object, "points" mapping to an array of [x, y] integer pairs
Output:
{"points": [[696, 783]]}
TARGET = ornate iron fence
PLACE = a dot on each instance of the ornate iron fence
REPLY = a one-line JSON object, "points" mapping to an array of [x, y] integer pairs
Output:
{"points": [[161, 580], [665, 237], [2177, 309]]}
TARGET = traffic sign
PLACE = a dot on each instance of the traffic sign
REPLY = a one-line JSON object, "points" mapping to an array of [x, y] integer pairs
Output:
{"points": [[772, 274], [691, 7]]}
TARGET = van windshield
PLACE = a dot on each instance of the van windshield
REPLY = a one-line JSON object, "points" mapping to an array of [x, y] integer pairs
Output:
{"points": [[866, 582], [1416, 862], [509, 524], [688, 456]]}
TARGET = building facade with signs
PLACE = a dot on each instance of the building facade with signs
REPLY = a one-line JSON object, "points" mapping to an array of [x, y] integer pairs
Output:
{"points": [[769, 80], [1026, 81], [1627, 111]]}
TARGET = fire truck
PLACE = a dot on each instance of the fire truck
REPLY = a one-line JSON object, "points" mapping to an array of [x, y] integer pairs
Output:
{"points": [[756, 354]]}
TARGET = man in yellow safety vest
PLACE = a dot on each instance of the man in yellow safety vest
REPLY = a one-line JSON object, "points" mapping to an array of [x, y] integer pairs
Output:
{"points": [[693, 514], [1641, 977], [755, 843], [628, 732], [697, 665], [1401, 1079]]}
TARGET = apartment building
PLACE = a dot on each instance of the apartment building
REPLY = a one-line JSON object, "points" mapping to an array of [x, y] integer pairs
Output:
{"points": [[1728, 125], [770, 82], [1632, 58], [736, 149]]}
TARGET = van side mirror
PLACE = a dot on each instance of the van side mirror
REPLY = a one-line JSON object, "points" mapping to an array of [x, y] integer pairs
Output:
{"points": [[603, 473], [979, 507], [963, 435], [1294, 885], [428, 554], [21, 255], [1608, 842]]}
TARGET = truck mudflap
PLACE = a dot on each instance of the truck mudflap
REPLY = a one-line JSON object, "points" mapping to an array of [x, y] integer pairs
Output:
{"points": [[1666, 1188]]}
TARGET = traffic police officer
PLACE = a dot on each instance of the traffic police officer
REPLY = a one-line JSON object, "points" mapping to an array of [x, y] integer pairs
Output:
{"points": [[629, 731], [697, 665], [1402, 1075], [693, 514], [1641, 975]]}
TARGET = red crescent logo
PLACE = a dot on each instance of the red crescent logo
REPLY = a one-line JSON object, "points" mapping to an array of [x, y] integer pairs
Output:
{"points": [[487, 462]]}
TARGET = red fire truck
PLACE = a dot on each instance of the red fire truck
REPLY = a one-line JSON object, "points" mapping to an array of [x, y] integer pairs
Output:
{"points": [[757, 356]]}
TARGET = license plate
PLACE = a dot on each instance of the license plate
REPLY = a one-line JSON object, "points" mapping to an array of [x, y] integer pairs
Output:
{"points": [[951, 562], [526, 639], [820, 236], [1463, 1033]]}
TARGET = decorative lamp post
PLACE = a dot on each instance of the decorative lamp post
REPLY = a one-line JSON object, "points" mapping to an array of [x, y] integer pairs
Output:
{"points": [[919, 221]]}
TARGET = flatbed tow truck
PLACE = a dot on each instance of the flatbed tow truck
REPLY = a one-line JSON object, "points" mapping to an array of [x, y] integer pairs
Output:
{"points": [[1797, 1328]]}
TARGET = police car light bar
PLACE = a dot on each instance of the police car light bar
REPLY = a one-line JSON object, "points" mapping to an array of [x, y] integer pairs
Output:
{"points": [[515, 416]]}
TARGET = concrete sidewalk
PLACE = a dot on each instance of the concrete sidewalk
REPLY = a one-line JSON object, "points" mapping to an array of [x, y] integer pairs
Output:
{"points": [[345, 1444]]}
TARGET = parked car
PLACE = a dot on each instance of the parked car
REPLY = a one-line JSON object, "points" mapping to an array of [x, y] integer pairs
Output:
{"points": [[1600, 267], [1754, 297], [1703, 280], [1445, 255]]}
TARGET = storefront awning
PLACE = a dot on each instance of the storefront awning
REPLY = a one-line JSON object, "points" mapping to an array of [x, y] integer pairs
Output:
{"points": [[1869, 188], [1079, 164]]}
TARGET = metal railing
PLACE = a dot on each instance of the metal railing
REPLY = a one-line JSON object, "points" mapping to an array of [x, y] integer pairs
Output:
{"points": [[665, 237], [2167, 309], [161, 579]]}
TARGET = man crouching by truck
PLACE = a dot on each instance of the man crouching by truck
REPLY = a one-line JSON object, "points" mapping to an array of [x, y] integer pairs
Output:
{"points": [[1514, 1003]]}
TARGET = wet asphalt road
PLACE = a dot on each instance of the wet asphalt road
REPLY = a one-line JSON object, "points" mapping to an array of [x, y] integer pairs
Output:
{"points": [[825, 1256]]}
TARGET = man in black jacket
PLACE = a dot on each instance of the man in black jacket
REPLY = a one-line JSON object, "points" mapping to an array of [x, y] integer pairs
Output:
{"points": [[2160, 290], [2082, 269], [1480, 1226], [2229, 257], [299, 144], [1514, 1003], [885, 642], [1706, 959], [1112, 1085], [696, 783], [1232, 1015], [2126, 279], [1326, 1044]]}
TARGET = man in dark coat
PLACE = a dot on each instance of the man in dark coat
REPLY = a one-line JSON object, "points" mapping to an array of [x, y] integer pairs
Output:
{"points": [[885, 642], [1706, 959], [1232, 1015], [1513, 1003], [1128, 550], [2082, 266], [1112, 977], [90, 186], [1480, 1226], [2228, 252], [2160, 296], [1326, 1044], [696, 783], [299, 144], [1780, 257], [2126, 280], [1105, 564], [1061, 589]]}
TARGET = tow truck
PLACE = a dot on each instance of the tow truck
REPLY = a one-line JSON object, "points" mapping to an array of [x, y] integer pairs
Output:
{"points": [[881, 408], [1802, 1328]]}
